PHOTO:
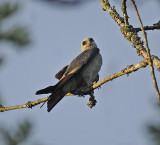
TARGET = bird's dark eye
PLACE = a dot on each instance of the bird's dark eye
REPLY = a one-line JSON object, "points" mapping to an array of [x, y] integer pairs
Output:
{"points": [[90, 39], [84, 42]]}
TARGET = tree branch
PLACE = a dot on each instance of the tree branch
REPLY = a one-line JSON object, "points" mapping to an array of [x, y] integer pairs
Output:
{"points": [[124, 71], [128, 70], [29, 104], [148, 50], [129, 33]]}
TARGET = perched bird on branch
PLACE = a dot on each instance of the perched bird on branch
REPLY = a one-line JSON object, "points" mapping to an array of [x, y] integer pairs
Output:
{"points": [[76, 77]]}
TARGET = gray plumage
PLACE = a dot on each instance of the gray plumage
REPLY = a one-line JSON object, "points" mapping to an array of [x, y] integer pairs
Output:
{"points": [[74, 78]]}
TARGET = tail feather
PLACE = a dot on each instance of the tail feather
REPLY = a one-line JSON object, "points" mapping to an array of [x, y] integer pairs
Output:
{"points": [[47, 90], [54, 99]]}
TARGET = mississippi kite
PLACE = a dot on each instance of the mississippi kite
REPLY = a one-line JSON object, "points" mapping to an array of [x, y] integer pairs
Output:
{"points": [[76, 77]]}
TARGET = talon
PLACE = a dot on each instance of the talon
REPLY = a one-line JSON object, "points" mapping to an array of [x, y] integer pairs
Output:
{"points": [[90, 104], [99, 87], [81, 96], [92, 101]]}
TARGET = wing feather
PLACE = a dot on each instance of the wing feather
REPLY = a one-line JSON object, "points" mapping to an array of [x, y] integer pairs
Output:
{"points": [[82, 59], [61, 73]]}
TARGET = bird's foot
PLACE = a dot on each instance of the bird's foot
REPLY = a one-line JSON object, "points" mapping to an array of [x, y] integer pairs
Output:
{"points": [[92, 101]]}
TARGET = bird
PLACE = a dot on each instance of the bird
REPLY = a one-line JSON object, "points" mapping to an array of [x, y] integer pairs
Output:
{"points": [[76, 77]]}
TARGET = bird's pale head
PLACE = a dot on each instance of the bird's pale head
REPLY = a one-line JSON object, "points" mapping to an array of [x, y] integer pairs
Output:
{"points": [[88, 43]]}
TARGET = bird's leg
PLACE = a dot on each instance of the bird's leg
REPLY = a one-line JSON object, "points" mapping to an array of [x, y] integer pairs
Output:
{"points": [[92, 101], [88, 87]]}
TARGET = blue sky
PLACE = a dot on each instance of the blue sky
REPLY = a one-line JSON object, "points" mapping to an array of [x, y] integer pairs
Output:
{"points": [[124, 106]]}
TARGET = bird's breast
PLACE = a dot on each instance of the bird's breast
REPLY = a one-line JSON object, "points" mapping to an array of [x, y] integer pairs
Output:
{"points": [[92, 68]]}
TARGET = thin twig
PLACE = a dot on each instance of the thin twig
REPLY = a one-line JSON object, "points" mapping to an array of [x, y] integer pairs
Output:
{"points": [[124, 10], [148, 50], [124, 71], [155, 27]]}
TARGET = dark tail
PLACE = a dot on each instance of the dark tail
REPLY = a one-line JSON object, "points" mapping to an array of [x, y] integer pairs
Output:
{"points": [[54, 99], [47, 90]]}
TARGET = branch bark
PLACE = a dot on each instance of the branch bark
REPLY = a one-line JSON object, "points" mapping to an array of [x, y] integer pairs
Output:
{"points": [[124, 71]]}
